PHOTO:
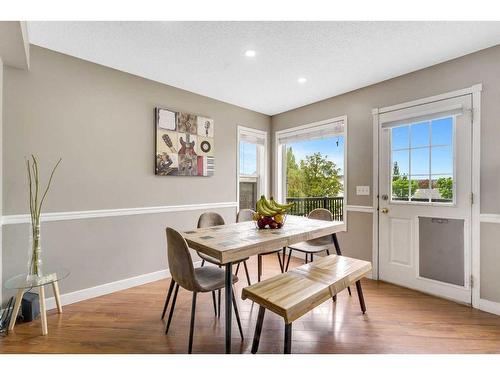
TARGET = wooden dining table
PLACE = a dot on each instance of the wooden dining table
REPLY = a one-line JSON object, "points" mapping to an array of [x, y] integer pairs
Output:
{"points": [[232, 242]]}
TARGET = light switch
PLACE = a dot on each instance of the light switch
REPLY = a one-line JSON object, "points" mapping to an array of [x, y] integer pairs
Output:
{"points": [[362, 190]]}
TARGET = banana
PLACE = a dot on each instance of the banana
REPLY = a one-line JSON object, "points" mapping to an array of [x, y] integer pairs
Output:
{"points": [[268, 206], [261, 209], [273, 204], [281, 206]]}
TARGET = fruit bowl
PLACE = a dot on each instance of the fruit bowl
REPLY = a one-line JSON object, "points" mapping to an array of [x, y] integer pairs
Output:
{"points": [[270, 214], [270, 222]]}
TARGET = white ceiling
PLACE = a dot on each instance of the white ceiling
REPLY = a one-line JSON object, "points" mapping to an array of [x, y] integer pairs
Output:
{"points": [[208, 58]]}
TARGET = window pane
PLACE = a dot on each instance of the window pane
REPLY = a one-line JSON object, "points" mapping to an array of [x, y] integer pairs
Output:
{"points": [[248, 195], [315, 175], [400, 188], [401, 163], [442, 131], [420, 191], [248, 158], [420, 134], [400, 137], [442, 160], [420, 162], [442, 186]]}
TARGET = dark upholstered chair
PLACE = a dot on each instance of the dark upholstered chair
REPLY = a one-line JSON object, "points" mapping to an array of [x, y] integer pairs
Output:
{"points": [[317, 245], [199, 280], [247, 215]]}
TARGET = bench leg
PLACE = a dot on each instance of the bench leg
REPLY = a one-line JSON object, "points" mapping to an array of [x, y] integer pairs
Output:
{"points": [[288, 338], [258, 330], [337, 250], [360, 296]]}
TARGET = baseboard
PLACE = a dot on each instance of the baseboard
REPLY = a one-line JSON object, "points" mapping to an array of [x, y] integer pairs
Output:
{"points": [[489, 306], [115, 286]]}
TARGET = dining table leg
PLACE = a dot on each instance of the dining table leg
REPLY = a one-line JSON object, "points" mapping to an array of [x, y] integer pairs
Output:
{"points": [[229, 312]]}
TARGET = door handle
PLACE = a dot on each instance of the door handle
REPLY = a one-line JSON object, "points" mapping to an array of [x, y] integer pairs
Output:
{"points": [[384, 210]]}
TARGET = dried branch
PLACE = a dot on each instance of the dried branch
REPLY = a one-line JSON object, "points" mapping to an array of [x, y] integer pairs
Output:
{"points": [[48, 184]]}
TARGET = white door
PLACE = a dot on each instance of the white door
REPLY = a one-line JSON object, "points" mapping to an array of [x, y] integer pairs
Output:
{"points": [[425, 198]]}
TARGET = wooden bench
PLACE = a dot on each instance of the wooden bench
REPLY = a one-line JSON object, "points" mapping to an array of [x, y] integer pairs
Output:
{"points": [[296, 292]]}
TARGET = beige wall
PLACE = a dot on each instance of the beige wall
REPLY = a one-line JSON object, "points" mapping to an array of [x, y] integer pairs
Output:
{"points": [[481, 67], [101, 122]]}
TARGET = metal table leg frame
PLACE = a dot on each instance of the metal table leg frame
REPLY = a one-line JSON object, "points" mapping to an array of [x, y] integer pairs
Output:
{"points": [[229, 296]]}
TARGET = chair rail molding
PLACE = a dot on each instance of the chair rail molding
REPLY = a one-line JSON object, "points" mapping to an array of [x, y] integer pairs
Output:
{"points": [[354, 208], [489, 218], [78, 215]]}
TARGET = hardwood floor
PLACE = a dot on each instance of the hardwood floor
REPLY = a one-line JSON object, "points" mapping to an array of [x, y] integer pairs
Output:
{"points": [[398, 320]]}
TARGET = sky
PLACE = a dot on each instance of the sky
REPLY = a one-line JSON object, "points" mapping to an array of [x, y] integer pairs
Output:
{"points": [[419, 142]]}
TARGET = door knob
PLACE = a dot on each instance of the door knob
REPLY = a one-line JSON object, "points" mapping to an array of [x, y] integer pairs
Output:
{"points": [[384, 210]]}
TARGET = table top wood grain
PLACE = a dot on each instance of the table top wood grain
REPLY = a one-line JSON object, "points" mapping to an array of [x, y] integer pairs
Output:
{"points": [[296, 292], [232, 242]]}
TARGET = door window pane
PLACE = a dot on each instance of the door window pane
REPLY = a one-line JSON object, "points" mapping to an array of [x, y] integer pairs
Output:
{"points": [[420, 134], [442, 131], [400, 163], [420, 191], [420, 161], [400, 188], [400, 137], [442, 160], [443, 187]]}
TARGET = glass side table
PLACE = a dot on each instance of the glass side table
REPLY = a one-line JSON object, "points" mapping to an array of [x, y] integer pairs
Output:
{"points": [[22, 283]]}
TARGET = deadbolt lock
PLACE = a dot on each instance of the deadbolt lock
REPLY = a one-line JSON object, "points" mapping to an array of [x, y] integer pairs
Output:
{"points": [[385, 197]]}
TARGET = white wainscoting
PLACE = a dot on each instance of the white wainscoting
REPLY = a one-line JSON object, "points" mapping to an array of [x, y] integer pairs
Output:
{"points": [[354, 208], [114, 286], [489, 218], [78, 215]]}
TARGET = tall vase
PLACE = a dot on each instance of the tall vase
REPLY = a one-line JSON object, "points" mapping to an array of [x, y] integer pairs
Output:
{"points": [[35, 252]]}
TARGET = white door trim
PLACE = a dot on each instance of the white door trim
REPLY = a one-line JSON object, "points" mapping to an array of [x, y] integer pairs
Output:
{"points": [[475, 91]]}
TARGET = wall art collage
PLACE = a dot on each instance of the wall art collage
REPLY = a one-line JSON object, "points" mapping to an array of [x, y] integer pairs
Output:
{"points": [[184, 144]]}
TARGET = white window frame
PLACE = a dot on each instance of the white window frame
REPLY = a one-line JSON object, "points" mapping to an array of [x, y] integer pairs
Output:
{"points": [[262, 163], [279, 152], [430, 146]]}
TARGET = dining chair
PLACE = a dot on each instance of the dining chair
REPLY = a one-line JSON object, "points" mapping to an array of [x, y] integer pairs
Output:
{"points": [[247, 215], [195, 280], [317, 245], [207, 219]]}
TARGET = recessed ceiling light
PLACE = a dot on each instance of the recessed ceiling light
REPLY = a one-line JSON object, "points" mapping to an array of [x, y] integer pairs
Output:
{"points": [[250, 53], [302, 80]]}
